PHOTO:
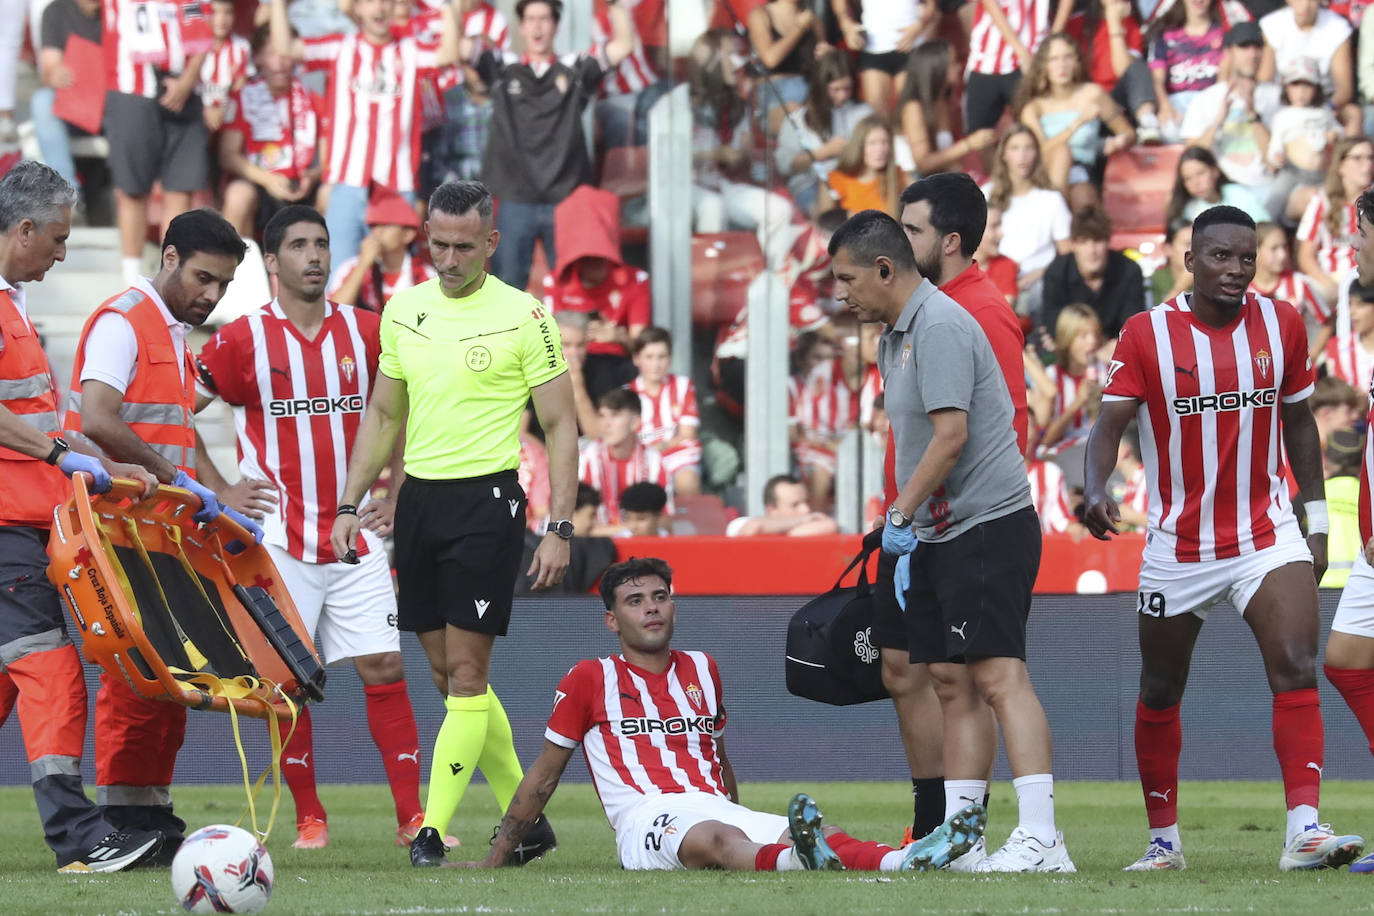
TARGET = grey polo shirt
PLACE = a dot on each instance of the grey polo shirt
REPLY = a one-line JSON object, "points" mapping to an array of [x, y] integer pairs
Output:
{"points": [[936, 356]]}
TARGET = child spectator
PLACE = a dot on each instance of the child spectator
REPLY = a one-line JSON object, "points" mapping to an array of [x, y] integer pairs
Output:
{"points": [[591, 277], [616, 458], [385, 263], [1173, 277], [1329, 226], [1185, 57], [1199, 185], [999, 268], [668, 415], [924, 111], [1304, 29], [785, 511], [867, 177], [1337, 404], [1001, 41], [227, 65], [1300, 134], [585, 508], [269, 145], [1276, 279], [1035, 218], [1350, 353], [374, 79], [812, 138], [820, 411], [1050, 495], [1077, 376], [643, 511]]}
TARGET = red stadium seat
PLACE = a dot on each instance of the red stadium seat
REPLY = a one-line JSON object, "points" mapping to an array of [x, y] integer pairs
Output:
{"points": [[723, 263], [705, 512], [1136, 188]]}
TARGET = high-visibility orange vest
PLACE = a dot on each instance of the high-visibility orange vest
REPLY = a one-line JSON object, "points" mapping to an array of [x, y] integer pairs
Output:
{"points": [[160, 402], [30, 488]]}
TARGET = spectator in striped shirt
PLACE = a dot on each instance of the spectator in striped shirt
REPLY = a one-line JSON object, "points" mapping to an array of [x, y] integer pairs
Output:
{"points": [[1328, 228], [227, 65], [669, 419], [1276, 278], [616, 458]]}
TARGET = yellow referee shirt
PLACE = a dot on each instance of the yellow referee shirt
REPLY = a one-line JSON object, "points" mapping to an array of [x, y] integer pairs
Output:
{"points": [[468, 365]]}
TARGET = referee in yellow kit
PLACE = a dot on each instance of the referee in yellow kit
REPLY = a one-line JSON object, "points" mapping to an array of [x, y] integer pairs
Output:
{"points": [[462, 354]]}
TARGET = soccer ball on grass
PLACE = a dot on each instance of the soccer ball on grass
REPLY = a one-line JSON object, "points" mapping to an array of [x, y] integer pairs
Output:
{"points": [[222, 869]]}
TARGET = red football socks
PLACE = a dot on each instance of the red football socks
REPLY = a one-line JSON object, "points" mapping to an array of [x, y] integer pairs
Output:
{"points": [[1357, 688], [298, 768], [857, 855], [1158, 743], [391, 721], [766, 859], [1298, 741]]}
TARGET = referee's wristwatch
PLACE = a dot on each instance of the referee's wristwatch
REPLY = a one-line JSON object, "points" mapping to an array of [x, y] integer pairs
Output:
{"points": [[563, 528], [59, 448], [897, 518]]}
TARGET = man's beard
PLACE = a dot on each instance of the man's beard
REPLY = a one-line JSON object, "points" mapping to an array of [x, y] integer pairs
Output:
{"points": [[932, 270]]}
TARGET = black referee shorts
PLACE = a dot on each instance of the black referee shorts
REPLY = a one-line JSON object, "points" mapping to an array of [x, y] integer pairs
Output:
{"points": [[970, 597], [458, 548]]}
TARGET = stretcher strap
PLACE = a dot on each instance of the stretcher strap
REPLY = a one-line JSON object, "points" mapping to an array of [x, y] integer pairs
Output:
{"points": [[107, 548], [174, 534], [196, 657], [249, 688]]}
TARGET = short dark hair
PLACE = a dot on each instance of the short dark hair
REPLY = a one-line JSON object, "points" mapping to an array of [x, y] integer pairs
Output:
{"points": [[618, 574], [284, 219], [458, 197], [555, 6], [957, 205], [652, 335], [770, 489], [643, 497], [587, 495], [1091, 222], [262, 38], [203, 230], [1222, 215], [1364, 205], [1331, 391], [870, 234], [620, 399], [1359, 291]]}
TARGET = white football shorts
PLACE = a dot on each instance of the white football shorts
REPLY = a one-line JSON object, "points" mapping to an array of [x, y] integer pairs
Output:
{"points": [[651, 832], [1355, 613], [1169, 588], [351, 609]]}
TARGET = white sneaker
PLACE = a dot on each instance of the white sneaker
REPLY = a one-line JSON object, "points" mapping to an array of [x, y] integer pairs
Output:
{"points": [[970, 860], [1159, 856], [1318, 847], [1024, 853]]}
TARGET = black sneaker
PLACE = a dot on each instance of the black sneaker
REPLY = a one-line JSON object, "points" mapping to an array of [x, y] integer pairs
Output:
{"points": [[538, 840], [116, 852], [427, 849]]}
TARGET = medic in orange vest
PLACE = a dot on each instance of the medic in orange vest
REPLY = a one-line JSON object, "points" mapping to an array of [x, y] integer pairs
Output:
{"points": [[133, 396], [40, 671]]}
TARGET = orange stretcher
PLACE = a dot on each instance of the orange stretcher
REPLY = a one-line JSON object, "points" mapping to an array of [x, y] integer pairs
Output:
{"points": [[193, 614]]}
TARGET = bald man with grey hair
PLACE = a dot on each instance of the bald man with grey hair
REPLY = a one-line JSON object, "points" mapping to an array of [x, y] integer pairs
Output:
{"points": [[40, 672]]}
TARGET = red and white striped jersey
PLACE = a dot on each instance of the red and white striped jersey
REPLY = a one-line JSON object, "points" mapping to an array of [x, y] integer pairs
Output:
{"points": [[1066, 386], [1294, 288], [642, 733], [597, 467], [297, 405], [869, 392], [279, 134], [660, 414], [1335, 251], [223, 67], [413, 272], [821, 404], [142, 38], [1050, 495], [1136, 493], [373, 107], [1346, 356], [482, 20], [989, 52], [1209, 412], [635, 71]]}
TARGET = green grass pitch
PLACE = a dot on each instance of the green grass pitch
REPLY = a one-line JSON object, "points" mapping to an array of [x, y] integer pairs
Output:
{"points": [[1232, 832]]}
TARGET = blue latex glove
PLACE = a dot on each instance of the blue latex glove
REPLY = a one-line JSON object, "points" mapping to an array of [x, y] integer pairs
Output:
{"points": [[901, 579], [899, 541], [209, 504], [245, 521], [75, 462]]}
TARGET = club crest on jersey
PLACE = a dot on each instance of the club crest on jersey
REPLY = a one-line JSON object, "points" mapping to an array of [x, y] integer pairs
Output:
{"points": [[694, 696], [348, 367], [1262, 362]]}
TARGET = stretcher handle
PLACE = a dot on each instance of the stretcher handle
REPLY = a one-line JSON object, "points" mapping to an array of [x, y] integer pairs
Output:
{"points": [[126, 488]]}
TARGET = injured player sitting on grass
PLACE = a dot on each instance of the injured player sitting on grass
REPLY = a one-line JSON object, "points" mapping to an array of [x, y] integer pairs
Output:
{"points": [[649, 721]]}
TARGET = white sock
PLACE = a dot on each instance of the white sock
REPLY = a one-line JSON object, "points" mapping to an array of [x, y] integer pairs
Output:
{"points": [[1299, 819], [892, 861], [960, 793], [133, 269], [1168, 835], [788, 861], [1035, 801]]}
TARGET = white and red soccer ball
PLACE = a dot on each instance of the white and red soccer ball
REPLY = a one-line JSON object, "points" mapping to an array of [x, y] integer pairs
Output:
{"points": [[222, 869]]}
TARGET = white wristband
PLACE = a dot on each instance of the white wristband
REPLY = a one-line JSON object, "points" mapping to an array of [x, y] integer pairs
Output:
{"points": [[1317, 520]]}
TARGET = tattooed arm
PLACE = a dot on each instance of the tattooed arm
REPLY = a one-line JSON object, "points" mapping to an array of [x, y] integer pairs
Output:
{"points": [[533, 794]]}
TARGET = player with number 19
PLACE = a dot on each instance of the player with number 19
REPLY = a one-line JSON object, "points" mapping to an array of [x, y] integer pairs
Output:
{"points": [[1219, 380]]}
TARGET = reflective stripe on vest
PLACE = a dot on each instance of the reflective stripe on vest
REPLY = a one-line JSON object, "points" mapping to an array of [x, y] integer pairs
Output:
{"points": [[134, 795], [54, 765], [29, 488]]}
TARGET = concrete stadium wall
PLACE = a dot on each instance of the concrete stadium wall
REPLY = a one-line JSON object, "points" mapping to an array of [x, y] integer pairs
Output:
{"points": [[1083, 660]]}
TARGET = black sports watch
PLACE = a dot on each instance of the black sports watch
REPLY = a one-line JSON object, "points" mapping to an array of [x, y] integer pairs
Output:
{"points": [[59, 448], [563, 528], [897, 518]]}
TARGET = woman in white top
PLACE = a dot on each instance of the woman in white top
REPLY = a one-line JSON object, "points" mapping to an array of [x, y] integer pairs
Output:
{"points": [[1304, 29], [1035, 218], [883, 35]]}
